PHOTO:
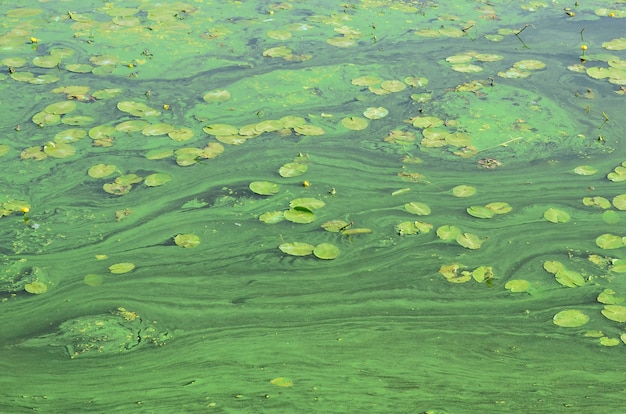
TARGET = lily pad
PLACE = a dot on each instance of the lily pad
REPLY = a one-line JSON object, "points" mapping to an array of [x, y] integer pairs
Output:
{"points": [[585, 170], [59, 149], [609, 241], [469, 241], [556, 215], [415, 207], [355, 123], [463, 191], [517, 285], [119, 268], [480, 212], [309, 203], [293, 169], [302, 216], [272, 217], [297, 248], [615, 313], [155, 180], [448, 232], [570, 318], [264, 187], [326, 251], [217, 96], [36, 287], [569, 278], [619, 202], [188, 240], [376, 113], [101, 170]]}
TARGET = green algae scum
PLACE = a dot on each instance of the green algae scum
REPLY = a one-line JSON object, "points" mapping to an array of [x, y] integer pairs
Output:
{"points": [[371, 206]]}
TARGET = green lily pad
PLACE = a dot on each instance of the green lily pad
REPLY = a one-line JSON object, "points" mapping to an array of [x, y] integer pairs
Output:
{"points": [[119, 268], [309, 130], [448, 232], [619, 202], [415, 207], [59, 149], [555, 215], [482, 273], [157, 129], [293, 169], [570, 318], [585, 170], [221, 129], [155, 180], [569, 278], [217, 96], [188, 240], [469, 241], [499, 207], [615, 44], [517, 285], [355, 123], [463, 191], [70, 135], [296, 248], [480, 212], [36, 287], [264, 187], [181, 134], [376, 113], [93, 279], [615, 313], [61, 108], [309, 203], [101, 170], [552, 266], [302, 216], [272, 217], [407, 228], [609, 241], [326, 251], [608, 297], [597, 201]]}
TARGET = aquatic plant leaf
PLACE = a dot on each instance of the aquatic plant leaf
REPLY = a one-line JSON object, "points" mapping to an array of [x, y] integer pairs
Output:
{"points": [[217, 95], [59, 149], [428, 122], [499, 207], [326, 251], [469, 241], [212, 150], [282, 382], [608, 297], [480, 212], [272, 217], [609, 241], [264, 187], [482, 273], [119, 268], [463, 191], [585, 170], [406, 228], [93, 279], [466, 68], [293, 169], [615, 313], [297, 248], [354, 123], [101, 170], [309, 203], [187, 240], [221, 129], [606, 341], [552, 266], [448, 233], [367, 80], [335, 226], [569, 278], [393, 85], [309, 130], [36, 287], [418, 208], [302, 216], [529, 64], [619, 202], [618, 265], [155, 180], [454, 273], [70, 135], [615, 44], [181, 134], [60, 108], [570, 318], [376, 113], [157, 129], [555, 215], [597, 201], [517, 285]]}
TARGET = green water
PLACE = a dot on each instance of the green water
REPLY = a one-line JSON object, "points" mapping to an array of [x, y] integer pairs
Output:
{"points": [[234, 324]]}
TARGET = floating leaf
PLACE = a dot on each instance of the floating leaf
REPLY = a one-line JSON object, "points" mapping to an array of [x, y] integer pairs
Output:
{"points": [[448, 232], [297, 248], [119, 268], [482, 273], [615, 44], [282, 382], [293, 169], [553, 266], [480, 212], [59, 149], [188, 240], [615, 313], [36, 287], [157, 129], [454, 273], [499, 207], [272, 217], [407, 228], [619, 202], [585, 170], [415, 207], [309, 203], [301, 216], [529, 64], [606, 341], [155, 180], [517, 285], [264, 187], [570, 318], [376, 113], [355, 123], [463, 191], [555, 215], [101, 170], [326, 251], [93, 280], [221, 129], [609, 241], [61, 108], [608, 297], [569, 278], [335, 226], [469, 241], [309, 130], [597, 201], [218, 95]]}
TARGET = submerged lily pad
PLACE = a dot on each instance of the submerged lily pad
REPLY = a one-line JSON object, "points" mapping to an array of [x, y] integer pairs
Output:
{"points": [[570, 318]]}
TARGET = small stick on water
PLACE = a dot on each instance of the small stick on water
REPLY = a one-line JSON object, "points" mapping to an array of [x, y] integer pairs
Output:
{"points": [[346, 226]]}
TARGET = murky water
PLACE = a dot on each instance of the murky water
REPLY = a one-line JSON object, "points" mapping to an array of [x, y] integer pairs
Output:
{"points": [[298, 206]]}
